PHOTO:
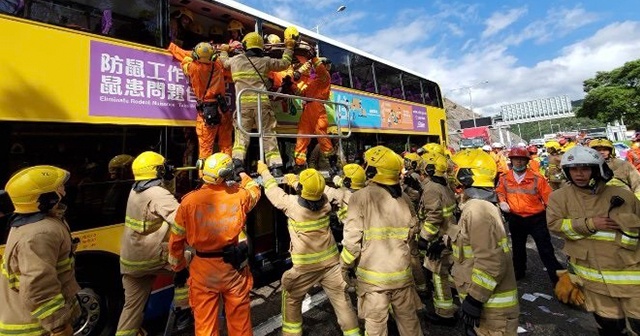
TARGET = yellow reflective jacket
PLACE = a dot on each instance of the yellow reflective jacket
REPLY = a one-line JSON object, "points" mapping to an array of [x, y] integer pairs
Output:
{"points": [[312, 244], [378, 232], [607, 261], [150, 213], [482, 259], [38, 285]]}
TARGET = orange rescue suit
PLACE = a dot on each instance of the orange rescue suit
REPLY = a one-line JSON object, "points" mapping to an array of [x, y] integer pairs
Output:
{"points": [[209, 219], [198, 74], [633, 156], [528, 198], [534, 164], [314, 116]]}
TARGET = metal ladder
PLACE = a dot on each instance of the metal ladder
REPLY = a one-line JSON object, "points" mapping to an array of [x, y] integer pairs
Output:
{"points": [[260, 132]]}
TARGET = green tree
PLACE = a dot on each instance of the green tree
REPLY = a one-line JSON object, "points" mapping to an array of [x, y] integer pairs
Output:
{"points": [[531, 130], [613, 95]]}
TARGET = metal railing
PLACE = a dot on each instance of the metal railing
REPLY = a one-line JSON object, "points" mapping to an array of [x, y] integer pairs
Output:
{"points": [[260, 132]]}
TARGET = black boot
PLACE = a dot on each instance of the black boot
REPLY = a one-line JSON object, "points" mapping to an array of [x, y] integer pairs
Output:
{"points": [[276, 170], [609, 326]]}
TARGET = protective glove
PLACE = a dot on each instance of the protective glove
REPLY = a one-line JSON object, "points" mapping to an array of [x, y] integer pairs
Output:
{"points": [[289, 43], [180, 279], [420, 151], [435, 248], [349, 276], [65, 330], [412, 183], [337, 181], [423, 244], [262, 167], [224, 48], [471, 311], [504, 206], [291, 179], [305, 68], [567, 289]]}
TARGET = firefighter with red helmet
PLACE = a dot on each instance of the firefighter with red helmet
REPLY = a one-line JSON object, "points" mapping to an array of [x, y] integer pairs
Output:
{"points": [[534, 160], [633, 155], [523, 194]]}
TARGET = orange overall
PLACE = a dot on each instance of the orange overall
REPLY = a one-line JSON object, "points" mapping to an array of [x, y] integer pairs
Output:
{"points": [[314, 116], [210, 219], [198, 73]]}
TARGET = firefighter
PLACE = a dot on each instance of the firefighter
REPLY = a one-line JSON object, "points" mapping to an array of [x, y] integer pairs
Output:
{"points": [[438, 226], [150, 210], [314, 251], [624, 173], [411, 178], [353, 179], [380, 224], [482, 269], [600, 226], [236, 34], [524, 194], [554, 173], [439, 149], [206, 76], [115, 200], [6, 207], [534, 160], [314, 115], [38, 285], [250, 71], [498, 156], [633, 155], [210, 220]]}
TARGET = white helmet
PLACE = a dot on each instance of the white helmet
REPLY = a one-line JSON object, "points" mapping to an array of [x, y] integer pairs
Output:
{"points": [[497, 145], [581, 156], [522, 144], [486, 148]]}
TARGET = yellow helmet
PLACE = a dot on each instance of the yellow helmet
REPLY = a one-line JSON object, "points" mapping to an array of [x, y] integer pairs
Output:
{"points": [[273, 39], [145, 166], [27, 187], [475, 168], [215, 30], [312, 184], [412, 161], [119, 162], [606, 143], [291, 33], [435, 164], [217, 168], [203, 52], [354, 176], [252, 41], [184, 12], [235, 25], [432, 147], [383, 165], [553, 145]]}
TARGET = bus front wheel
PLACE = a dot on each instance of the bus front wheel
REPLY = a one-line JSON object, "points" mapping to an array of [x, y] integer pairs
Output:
{"points": [[101, 297]]}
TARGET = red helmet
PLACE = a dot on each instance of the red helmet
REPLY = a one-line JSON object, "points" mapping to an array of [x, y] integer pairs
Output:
{"points": [[562, 142], [518, 152], [532, 149]]}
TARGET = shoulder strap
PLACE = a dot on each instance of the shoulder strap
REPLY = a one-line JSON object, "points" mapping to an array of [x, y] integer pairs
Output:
{"points": [[213, 66], [256, 69]]}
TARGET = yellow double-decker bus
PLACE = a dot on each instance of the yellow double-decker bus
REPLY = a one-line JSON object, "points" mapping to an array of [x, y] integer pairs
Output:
{"points": [[84, 81]]}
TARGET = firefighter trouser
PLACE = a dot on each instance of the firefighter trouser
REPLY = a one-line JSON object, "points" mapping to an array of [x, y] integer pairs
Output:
{"points": [[312, 121], [373, 307], [249, 120], [612, 308], [207, 135], [536, 226], [211, 278], [295, 285], [136, 293], [416, 270], [442, 297]]}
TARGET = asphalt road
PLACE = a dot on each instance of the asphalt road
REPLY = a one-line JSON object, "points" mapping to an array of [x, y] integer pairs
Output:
{"points": [[542, 316]]}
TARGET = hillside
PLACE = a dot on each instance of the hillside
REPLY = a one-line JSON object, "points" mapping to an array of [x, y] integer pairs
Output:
{"points": [[456, 112]]}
